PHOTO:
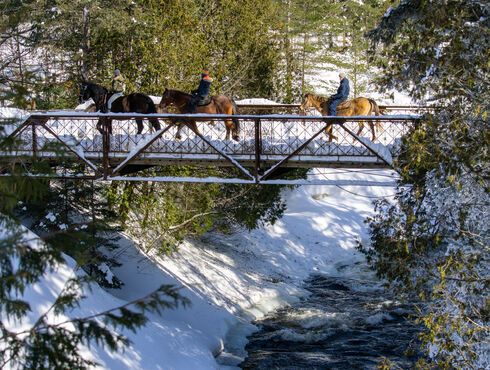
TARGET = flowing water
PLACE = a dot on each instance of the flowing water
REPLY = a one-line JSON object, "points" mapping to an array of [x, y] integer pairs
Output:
{"points": [[342, 324]]}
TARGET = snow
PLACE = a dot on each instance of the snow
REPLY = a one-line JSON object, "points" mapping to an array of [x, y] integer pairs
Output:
{"points": [[256, 101], [230, 279]]}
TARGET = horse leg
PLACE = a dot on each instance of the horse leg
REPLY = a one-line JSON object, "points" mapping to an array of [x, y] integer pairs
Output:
{"points": [[331, 136], [228, 125], [361, 127], [193, 126], [189, 123], [373, 132], [235, 129], [103, 125], [139, 122], [100, 126], [155, 123], [177, 135]]}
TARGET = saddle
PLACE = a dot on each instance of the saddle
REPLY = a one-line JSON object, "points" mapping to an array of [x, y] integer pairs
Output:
{"points": [[204, 101], [196, 101], [345, 104]]}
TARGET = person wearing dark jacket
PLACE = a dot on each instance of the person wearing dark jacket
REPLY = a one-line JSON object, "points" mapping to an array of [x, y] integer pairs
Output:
{"points": [[201, 94], [342, 94]]}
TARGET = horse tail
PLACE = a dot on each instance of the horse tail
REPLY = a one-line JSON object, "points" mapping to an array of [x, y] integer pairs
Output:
{"points": [[153, 109], [377, 112], [234, 111], [374, 108], [151, 105]]}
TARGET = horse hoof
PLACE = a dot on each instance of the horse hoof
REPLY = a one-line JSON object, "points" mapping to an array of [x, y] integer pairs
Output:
{"points": [[236, 138]]}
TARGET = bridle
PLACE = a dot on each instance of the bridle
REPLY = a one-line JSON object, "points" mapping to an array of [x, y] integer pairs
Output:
{"points": [[81, 99], [305, 104], [170, 101], [82, 93]]}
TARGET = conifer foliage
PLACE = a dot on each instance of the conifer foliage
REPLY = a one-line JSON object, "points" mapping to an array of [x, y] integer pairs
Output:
{"points": [[432, 242], [53, 339]]}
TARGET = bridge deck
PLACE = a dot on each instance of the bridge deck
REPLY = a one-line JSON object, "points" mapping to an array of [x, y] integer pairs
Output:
{"points": [[267, 142]]}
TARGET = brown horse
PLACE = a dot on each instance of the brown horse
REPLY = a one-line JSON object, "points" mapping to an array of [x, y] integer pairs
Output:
{"points": [[348, 108], [220, 104]]}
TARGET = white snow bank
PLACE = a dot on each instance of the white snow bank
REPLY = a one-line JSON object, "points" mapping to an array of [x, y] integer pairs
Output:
{"points": [[257, 101]]}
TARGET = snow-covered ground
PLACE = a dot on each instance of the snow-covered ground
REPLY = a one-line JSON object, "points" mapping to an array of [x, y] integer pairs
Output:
{"points": [[231, 279]]}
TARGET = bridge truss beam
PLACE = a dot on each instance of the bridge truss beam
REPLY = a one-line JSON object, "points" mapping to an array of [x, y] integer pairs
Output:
{"points": [[267, 143]]}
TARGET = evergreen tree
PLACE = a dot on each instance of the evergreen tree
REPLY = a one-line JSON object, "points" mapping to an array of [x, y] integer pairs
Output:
{"points": [[159, 44], [80, 208], [54, 339], [345, 46], [160, 215], [433, 241]]}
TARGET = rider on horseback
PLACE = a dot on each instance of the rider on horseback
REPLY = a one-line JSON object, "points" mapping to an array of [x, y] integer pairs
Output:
{"points": [[118, 87], [200, 96], [342, 94]]}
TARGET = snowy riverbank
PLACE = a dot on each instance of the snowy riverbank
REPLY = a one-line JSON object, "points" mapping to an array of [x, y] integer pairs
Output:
{"points": [[232, 279]]}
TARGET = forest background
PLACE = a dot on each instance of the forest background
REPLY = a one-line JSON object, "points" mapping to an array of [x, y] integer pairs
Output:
{"points": [[252, 48], [431, 243]]}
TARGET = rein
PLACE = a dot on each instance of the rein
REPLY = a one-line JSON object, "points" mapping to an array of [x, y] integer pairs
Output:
{"points": [[82, 92], [171, 96], [315, 101]]}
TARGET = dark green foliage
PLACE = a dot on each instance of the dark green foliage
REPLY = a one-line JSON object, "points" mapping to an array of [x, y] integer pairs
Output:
{"points": [[78, 207], [54, 339], [156, 44], [160, 215], [432, 242]]}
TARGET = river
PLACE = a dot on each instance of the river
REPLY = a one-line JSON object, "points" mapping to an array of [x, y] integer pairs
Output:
{"points": [[343, 324]]}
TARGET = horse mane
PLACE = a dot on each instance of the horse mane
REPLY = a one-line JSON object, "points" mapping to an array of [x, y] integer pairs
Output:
{"points": [[320, 98], [92, 85], [179, 92]]}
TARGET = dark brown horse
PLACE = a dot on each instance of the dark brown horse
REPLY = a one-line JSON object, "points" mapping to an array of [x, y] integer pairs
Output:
{"points": [[132, 103], [220, 104], [348, 108]]}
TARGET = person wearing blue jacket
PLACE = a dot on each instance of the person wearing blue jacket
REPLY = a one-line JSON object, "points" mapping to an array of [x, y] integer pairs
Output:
{"points": [[342, 94], [201, 94]]}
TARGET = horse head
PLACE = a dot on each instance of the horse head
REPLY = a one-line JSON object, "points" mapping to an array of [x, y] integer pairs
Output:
{"points": [[98, 94], [306, 103], [174, 99], [162, 106], [84, 94], [166, 100]]}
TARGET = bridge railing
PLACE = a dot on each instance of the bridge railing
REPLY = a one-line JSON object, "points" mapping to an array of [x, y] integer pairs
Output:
{"points": [[266, 142], [264, 109]]}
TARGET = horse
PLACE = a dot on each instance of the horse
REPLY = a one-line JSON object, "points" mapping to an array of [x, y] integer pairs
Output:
{"points": [[219, 104], [132, 103], [355, 107]]}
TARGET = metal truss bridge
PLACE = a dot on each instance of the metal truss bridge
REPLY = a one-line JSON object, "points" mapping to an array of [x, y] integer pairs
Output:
{"points": [[268, 142]]}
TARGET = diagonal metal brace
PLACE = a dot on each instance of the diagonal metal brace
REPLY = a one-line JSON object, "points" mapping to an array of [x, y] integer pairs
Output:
{"points": [[116, 171], [86, 161], [356, 137], [226, 156], [278, 164]]}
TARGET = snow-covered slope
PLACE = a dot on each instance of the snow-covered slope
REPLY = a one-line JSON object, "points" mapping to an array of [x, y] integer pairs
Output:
{"points": [[230, 279]]}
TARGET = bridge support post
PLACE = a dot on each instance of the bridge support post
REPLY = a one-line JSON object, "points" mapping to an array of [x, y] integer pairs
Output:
{"points": [[34, 141], [258, 148], [106, 146]]}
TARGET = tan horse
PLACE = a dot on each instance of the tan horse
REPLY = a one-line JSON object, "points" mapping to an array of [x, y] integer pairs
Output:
{"points": [[348, 108], [220, 104]]}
